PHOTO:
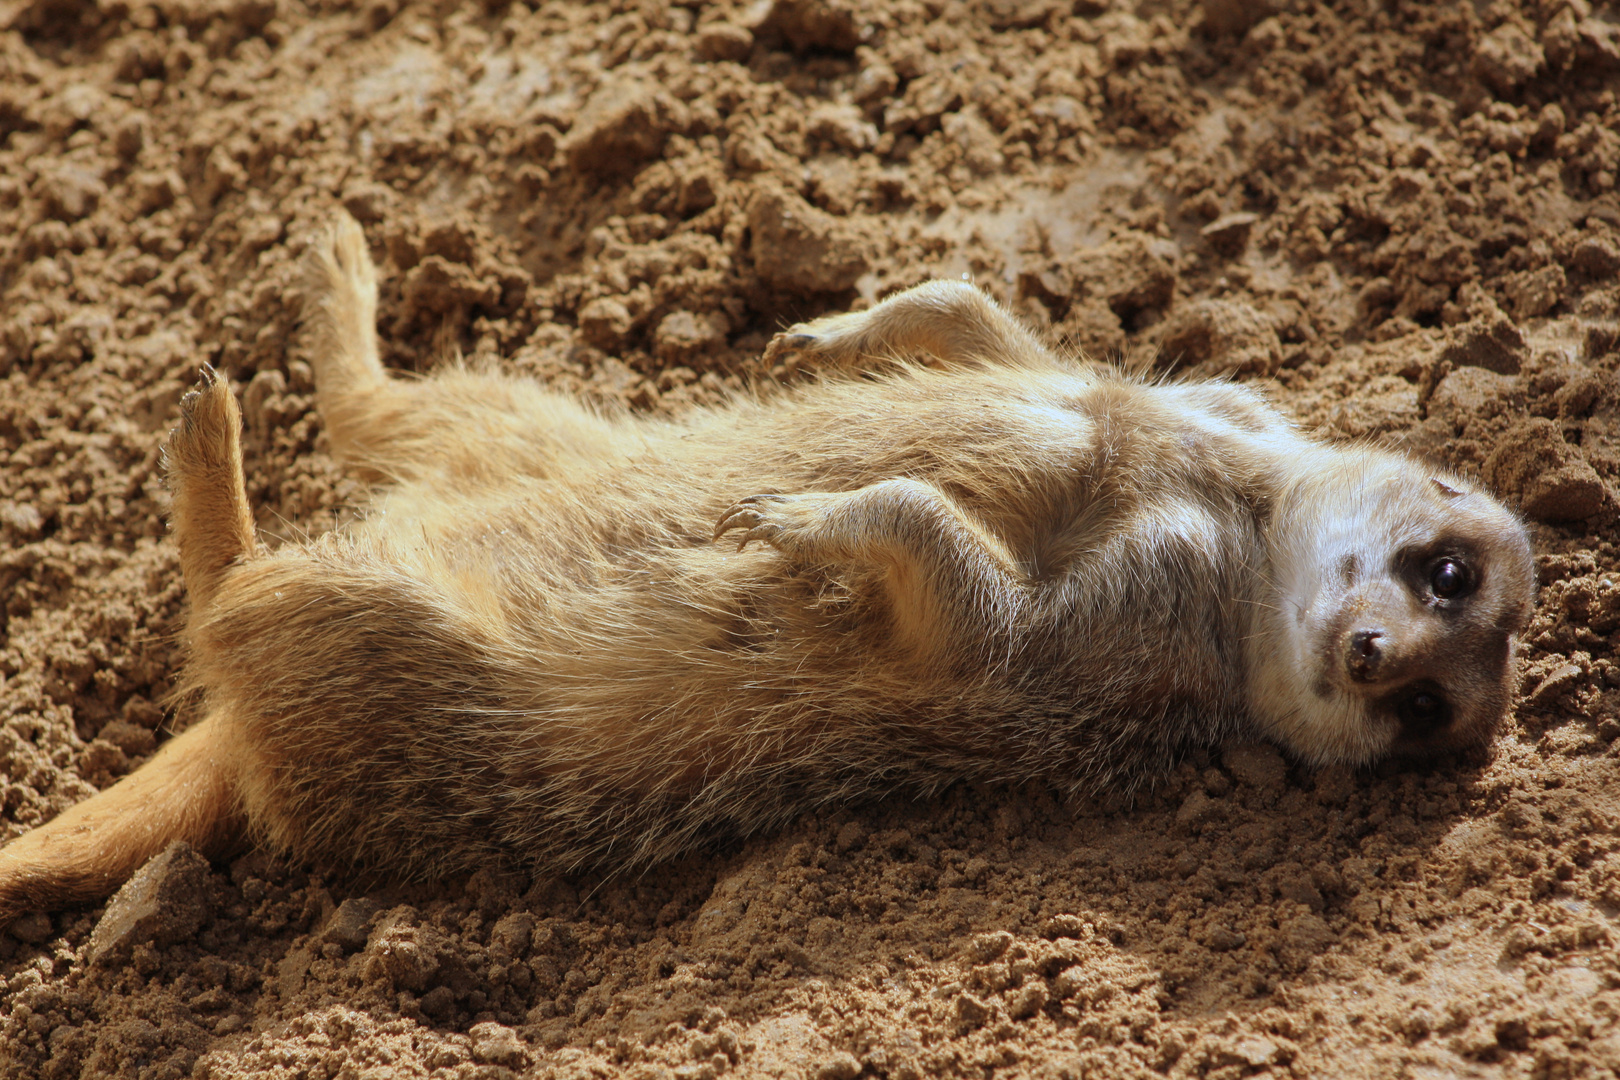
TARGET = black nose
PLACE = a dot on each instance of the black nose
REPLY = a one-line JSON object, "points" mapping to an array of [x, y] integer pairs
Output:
{"points": [[1365, 654]]}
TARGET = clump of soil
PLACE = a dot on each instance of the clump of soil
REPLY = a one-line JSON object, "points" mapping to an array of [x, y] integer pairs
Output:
{"points": [[1402, 218]]}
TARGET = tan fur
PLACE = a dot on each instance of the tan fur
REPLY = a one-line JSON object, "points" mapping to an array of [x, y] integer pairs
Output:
{"points": [[1003, 566]]}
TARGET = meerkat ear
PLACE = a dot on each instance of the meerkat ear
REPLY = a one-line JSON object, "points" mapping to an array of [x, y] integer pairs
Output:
{"points": [[1445, 488]]}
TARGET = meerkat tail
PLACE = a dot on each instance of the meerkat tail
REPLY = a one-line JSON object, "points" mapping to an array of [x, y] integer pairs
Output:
{"points": [[211, 520], [187, 791]]}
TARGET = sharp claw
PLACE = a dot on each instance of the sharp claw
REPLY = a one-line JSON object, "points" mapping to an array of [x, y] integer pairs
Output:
{"points": [[729, 521], [745, 514], [761, 531]]}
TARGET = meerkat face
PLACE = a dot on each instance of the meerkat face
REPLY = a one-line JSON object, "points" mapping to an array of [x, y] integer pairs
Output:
{"points": [[1399, 595]]}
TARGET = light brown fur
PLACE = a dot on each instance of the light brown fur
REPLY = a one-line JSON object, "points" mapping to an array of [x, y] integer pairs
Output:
{"points": [[1004, 566]]}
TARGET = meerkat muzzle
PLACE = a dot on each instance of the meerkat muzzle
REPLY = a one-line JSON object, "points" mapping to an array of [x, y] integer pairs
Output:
{"points": [[1365, 655]]}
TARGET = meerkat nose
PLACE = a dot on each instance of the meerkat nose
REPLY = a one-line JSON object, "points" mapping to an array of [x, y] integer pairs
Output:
{"points": [[1365, 654]]}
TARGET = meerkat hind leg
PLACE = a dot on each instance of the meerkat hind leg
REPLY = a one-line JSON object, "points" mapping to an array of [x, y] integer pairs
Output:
{"points": [[456, 426], [340, 310], [213, 525], [949, 320], [187, 790]]}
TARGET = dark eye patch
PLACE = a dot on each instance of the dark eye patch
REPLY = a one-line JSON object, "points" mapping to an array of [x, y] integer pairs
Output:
{"points": [[1422, 709], [1447, 569]]}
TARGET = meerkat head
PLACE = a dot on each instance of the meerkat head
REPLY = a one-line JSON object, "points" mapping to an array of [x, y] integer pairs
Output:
{"points": [[1399, 593]]}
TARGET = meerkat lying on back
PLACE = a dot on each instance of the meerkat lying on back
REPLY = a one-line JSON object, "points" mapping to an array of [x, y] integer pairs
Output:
{"points": [[568, 638]]}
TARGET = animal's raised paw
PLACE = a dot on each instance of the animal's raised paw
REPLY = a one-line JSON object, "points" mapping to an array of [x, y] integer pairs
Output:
{"points": [[204, 406], [339, 260], [793, 347], [209, 422], [757, 515], [347, 243], [191, 402]]}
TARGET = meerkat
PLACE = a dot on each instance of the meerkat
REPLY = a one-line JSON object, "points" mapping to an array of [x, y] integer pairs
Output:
{"points": [[566, 637]]}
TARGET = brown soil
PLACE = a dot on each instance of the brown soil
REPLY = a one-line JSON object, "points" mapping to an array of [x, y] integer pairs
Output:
{"points": [[1402, 216]]}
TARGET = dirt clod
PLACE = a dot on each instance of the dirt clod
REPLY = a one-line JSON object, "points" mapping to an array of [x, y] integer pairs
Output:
{"points": [[1220, 337], [1255, 764], [1551, 479], [347, 926], [497, 1044], [623, 123], [798, 248], [164, 903]]}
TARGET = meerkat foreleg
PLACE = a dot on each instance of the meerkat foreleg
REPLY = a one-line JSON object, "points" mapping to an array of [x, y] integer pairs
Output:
{"points": [[949, 320], [951, 584], [187, 791]]}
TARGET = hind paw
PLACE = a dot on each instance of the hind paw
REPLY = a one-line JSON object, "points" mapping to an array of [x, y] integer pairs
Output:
{"points": [[210, 424], [803, 526], [340, 268], [346, 242]]}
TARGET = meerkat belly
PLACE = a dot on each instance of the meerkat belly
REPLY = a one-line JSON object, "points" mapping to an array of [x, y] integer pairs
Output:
{"points": [[1143, 658], [557, 667], [475, 694]]}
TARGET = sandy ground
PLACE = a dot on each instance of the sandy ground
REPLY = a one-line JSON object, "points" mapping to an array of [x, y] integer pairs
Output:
{"points": [[1401, 217]]}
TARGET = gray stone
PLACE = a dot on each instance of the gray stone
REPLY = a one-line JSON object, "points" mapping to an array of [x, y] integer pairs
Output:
{"points": [[347, 926], [168, 900]]}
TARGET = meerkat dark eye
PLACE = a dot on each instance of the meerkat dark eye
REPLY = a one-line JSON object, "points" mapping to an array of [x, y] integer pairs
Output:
{"points": [[1423, 711], [1450, 579]]}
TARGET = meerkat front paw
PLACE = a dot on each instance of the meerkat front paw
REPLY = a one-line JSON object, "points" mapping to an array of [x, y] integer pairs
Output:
{"points": [[789, 348], [754, 516], [786, 522], [793, 348], [830, 341]]}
